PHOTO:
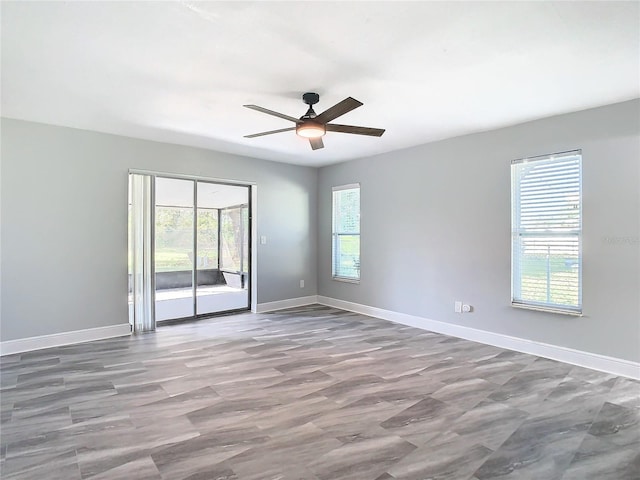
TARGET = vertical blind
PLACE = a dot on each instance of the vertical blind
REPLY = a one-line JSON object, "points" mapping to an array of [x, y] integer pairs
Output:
{"points": [[546, 204], [141, 267], [346, 232]]}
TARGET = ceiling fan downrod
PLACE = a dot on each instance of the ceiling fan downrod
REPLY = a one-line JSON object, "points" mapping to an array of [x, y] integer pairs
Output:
{"points": [[310, 99]]}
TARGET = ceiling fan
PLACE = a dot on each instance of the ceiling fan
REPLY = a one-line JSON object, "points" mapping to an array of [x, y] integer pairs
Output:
{"points": [[314, 126]]}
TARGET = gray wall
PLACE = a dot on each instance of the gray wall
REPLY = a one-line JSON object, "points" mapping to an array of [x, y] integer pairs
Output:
{"points": [[436, 228], [64, 219]]}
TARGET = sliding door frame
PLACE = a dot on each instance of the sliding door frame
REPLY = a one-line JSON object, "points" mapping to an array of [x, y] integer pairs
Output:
{"points": [[252, 192]]}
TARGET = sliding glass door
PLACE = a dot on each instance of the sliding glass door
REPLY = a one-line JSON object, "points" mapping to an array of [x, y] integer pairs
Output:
{"points": [[222, 269], [174, 248], [198, 242]]}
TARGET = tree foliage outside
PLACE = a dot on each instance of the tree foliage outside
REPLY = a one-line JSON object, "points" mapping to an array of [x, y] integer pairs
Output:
{"points": [[174, 238], [234, 231]]}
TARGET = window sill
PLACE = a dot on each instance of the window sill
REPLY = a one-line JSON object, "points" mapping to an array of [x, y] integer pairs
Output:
{"points": [[537, 308], [347, 280]]}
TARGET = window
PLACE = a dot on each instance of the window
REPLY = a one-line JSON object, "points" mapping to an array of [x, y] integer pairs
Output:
{"points": [[346, 233], [546, 206]]}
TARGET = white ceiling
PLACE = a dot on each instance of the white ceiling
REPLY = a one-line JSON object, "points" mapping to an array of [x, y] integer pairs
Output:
{"points": [[180, 71]]}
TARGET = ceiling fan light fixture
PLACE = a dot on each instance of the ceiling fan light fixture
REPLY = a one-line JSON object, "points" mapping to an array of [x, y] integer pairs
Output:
{"points": [[310, 129]]}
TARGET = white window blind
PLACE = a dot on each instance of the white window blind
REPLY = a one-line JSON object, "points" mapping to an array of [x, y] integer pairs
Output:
{"points": [[346, 233], [546, 205]]}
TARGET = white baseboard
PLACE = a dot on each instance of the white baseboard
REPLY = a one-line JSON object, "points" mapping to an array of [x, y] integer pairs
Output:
{"points": [[22, 345], [289, 303], [594, 361]]}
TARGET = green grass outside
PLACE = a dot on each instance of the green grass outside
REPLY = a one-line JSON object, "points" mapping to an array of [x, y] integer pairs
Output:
{"points": [[172, 260], [534, 279]]}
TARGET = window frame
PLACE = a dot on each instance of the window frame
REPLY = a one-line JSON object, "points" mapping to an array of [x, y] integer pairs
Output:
{"points": [[335, 235], [518, 232]]}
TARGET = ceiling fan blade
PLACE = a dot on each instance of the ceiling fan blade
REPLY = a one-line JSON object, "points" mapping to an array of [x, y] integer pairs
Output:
{"points": [[374, 132], [271, 112], [253, 135], [338, 109], [316, 143]]}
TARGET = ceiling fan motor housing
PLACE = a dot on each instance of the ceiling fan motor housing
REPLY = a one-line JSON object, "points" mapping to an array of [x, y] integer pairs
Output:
{"points": [[310, 98]]}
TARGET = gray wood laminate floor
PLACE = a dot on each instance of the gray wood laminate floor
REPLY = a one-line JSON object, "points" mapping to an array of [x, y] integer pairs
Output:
{"points": [[310, 393]]}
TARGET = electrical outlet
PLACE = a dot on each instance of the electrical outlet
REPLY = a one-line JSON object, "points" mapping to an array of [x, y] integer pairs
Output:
{"points": [[457, 307], [301, 283]]}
